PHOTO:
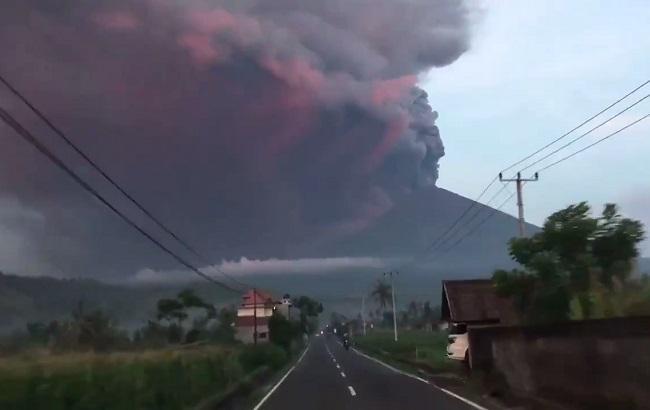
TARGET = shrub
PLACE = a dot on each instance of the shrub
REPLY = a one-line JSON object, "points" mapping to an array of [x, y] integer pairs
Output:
{"points": [[166, 380], [253, 357]]}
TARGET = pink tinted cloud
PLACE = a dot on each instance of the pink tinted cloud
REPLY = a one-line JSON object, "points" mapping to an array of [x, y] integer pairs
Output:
{"points": [[393, 90], [210, 35], [117, 20], [213, 21], [296, 72], [203, 50], [377, 204], [396, 128]]}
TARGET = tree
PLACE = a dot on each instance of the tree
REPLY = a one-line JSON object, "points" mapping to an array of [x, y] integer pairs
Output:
{"points": [[308, 306], [224, 330], [189, 299], [170, 310], [382, 294], [309, 311], [569, 263], [282, 331], [38, 332]]}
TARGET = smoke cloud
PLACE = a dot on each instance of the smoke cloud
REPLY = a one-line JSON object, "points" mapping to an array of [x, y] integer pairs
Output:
{"points": [[244, 267], [251, 127]]}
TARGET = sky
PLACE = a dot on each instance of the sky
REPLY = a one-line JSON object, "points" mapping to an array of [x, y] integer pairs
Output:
{"points": [[268, 133], [534, 71]]}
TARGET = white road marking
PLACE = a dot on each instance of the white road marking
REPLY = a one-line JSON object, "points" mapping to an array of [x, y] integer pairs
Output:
{"points": [[334, 360], [461, 398], [259, 405], [338, 367], [273, 389], [352, 392], [396, 370], [452, 394], [343, 375], [302, 355]]}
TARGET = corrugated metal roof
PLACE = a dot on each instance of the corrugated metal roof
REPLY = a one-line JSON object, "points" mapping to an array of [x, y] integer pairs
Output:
{"points": [[475, 300]]}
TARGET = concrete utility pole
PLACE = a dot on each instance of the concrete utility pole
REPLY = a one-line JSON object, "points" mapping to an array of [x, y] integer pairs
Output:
{"points": [[363, 313], [392, 292], [520, 198], [254, 316]]}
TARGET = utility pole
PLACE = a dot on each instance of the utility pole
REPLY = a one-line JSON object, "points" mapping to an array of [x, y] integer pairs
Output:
{"points": [[520, 198], [363, 313], [392, 292], [254, 316]]}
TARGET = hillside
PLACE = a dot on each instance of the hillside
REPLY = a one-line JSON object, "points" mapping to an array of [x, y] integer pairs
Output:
{"points": [[406, 230], [24, 299], [415, 222]]}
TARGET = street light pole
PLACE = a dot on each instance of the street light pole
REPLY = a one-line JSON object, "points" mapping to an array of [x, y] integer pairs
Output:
{"points": [[392, 292], [363, 313], [254, 316]]}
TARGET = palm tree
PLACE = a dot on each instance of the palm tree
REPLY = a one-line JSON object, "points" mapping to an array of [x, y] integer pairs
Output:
{"points": [[382, 294]]}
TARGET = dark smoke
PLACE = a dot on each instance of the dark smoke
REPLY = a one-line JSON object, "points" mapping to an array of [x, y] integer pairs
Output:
{"points": [[250, 126]]}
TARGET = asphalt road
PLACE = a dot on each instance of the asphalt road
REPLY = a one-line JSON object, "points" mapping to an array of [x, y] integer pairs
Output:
{"points": [[330, 377]]}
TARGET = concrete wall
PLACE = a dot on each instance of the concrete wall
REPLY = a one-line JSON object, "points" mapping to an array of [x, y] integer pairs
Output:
{"points": [[245, 334], [595, 364], [261, 311], [288, 312]]}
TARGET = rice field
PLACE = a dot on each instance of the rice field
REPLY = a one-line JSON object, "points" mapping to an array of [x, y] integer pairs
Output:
{"points": [[157, 379]]}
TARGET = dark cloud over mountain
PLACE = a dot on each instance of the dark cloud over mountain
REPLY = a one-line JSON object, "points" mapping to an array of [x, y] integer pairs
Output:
{"points": [[251, 127]]}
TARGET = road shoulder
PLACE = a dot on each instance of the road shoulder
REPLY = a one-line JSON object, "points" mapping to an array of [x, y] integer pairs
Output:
{"points": [[459, 393]]}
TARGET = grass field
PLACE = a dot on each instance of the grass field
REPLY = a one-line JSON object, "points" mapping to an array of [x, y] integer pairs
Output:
{"points": [[161, 379], [413, 346]]}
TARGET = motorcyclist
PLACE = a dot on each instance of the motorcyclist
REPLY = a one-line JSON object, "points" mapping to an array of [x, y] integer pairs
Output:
{"points": [[346, 341]]}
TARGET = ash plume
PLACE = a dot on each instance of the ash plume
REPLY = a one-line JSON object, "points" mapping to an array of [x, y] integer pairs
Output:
{"points": [[250, 126]]}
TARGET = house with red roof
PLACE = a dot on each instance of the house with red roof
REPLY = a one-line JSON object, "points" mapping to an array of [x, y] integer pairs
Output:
{"points": [[253, 316]]}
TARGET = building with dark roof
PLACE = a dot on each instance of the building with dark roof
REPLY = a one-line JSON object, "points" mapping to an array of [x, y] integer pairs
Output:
{"points": [[475, 302]]}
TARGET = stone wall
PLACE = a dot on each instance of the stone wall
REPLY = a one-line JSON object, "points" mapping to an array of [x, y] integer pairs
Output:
{"points": [[596, 364]]}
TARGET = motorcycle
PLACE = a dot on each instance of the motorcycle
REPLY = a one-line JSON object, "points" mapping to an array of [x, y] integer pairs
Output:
{"points": [[346, 344]]}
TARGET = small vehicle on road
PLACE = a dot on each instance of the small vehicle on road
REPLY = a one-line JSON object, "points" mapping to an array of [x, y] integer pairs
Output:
{"points": [[457, 342]]}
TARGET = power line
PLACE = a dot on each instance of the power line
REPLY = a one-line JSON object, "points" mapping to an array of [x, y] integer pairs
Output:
{"points": [[470, 220], [594, 143], [575, 128], [438, 242], [462, 215], [476, 227], [27, 136], [578, 138], [108, 178]]}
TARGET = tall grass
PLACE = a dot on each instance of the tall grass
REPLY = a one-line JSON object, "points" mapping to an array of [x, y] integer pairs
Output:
{"points": [[413, 346], [165, 379]]}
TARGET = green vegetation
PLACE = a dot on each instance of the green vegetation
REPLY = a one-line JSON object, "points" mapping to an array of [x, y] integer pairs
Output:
{"points": [[162, 379], [419, 348], [283, 332], [309, 311], [577, 267], [183, 357]]}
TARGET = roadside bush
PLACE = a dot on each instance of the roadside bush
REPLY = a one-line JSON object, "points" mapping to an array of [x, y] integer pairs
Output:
{"points": [[283, 332], [165, 380], [268, 354]]}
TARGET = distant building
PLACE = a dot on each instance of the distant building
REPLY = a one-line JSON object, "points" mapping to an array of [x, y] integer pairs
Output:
{"points": [[254, 312], [471, 303], [475, 302], [256, 309], [286, 309]]}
